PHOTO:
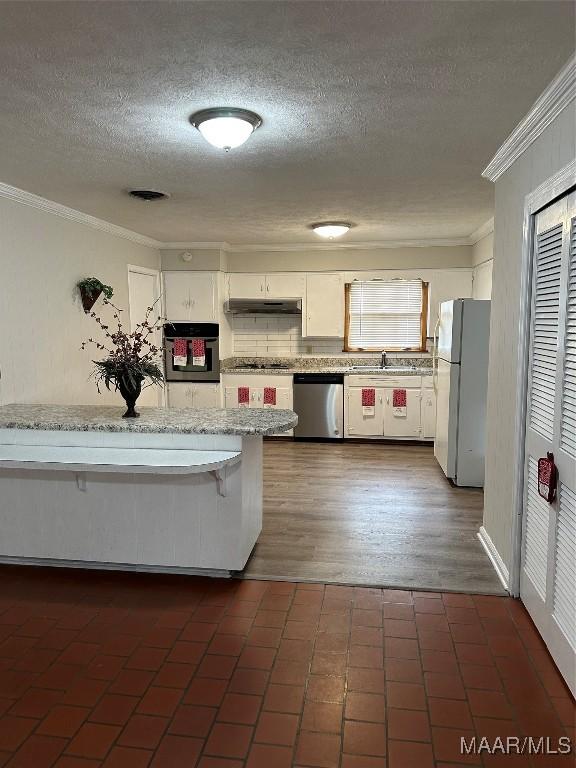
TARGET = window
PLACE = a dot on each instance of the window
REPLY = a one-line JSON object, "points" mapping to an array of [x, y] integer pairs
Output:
{"points": [[386, 314]]}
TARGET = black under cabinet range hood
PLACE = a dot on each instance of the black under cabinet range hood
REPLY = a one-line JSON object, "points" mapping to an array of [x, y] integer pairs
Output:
{"points": [[263, 306]]}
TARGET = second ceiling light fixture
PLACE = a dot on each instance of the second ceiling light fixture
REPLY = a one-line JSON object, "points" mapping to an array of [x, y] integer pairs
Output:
{"points": [[229, 127]]}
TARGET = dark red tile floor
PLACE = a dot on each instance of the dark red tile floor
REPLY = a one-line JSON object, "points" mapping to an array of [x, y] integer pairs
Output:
{"points": [[129, 671]]}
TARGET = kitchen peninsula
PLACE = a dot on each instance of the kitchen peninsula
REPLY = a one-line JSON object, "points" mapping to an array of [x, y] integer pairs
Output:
{"points": [[177, 490]]}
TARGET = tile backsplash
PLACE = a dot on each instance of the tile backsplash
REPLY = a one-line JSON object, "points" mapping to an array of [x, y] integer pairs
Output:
{"points": [[277, 335]]}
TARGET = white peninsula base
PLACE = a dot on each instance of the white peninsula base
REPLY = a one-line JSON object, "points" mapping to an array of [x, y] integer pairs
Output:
{"points": [[163, 502]]}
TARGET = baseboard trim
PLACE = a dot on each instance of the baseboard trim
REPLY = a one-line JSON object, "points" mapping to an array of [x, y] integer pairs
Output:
{"points": [[49, 562], [494, 555]]}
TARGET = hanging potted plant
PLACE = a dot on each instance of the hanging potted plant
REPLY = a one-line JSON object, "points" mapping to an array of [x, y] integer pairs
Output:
{"points": [[133, 361], [90, 289]]}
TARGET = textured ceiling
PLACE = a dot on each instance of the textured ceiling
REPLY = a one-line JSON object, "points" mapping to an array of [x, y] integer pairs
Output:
{"points": [[384, 113]]}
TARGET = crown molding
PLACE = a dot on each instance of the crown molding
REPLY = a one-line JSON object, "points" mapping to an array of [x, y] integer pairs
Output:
{"points": [[307, 247], [211, 245], [555, 98], [49, 206], [485, 229]]}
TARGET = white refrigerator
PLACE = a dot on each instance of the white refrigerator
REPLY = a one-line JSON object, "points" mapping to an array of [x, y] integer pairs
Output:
{"points": [[460, 381]]}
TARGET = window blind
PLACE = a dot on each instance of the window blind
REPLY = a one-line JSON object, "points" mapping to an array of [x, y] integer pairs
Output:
{"points": [[385, 314]]}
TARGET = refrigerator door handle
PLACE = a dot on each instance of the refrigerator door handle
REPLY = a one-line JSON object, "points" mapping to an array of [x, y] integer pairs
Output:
{"points": [[435, 357]]}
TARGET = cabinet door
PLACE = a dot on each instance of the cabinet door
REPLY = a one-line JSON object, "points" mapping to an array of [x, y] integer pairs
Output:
{"points": [[190, 297], [402, 426], [179, 395], [231, 397], [206, 395], [428, 411], [286, 285], [324, 306], [177, 296], [202, 294], [246, 286], [359, 423]]}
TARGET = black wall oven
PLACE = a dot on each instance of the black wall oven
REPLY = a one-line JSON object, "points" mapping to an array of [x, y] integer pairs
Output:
{"points": [[191, 352]]}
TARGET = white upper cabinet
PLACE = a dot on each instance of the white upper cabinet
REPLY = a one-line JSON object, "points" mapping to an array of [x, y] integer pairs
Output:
{"points": [[286, 285], [246, 285], [324, 316], [190, 297], [279, 285]]}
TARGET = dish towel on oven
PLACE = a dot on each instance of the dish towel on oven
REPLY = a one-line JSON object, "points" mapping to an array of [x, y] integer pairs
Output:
{"points": [[368, 402], [243, 397], [199, 352], [180, 352], [269, 395], [399, 402]]}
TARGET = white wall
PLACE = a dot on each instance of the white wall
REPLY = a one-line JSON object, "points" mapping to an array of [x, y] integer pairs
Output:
{"points": [[345, 259], [483, 260], [551, 151], [42, 323]]}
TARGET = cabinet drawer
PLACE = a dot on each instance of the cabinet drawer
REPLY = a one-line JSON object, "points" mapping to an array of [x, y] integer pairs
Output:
{"points": [[397, 382]]}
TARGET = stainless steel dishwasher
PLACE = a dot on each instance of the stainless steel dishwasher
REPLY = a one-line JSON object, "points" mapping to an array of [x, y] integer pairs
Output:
{"points": [[319, 403]]}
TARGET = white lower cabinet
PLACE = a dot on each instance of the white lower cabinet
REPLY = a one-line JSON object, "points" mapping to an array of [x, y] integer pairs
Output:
{"points": [[364, 422], [182, 395], [416, 422], [400, 422], [256, 385]]}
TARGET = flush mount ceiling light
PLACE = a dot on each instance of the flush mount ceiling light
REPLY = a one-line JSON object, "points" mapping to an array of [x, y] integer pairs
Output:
{"points": [[331, 229], [226, 127]]}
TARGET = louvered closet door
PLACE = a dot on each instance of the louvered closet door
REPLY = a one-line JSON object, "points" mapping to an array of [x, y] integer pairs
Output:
{"points": [[548, 581]]}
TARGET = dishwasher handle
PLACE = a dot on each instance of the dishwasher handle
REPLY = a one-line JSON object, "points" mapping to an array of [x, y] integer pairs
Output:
{"points": [[318, 378]]}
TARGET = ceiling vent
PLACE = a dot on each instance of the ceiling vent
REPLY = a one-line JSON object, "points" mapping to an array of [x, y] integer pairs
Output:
{"points": [[147, 194]]}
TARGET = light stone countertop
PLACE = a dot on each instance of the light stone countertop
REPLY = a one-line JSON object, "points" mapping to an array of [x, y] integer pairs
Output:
{"points": [[185, 421], [411, 366], [346, 370]]}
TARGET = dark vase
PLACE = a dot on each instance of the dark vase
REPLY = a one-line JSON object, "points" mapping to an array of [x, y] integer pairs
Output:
{"points": [[130, 392], [88, 299]]}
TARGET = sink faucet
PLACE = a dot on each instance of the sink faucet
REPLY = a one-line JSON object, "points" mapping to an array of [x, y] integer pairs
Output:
{"points": [[383, 360]]}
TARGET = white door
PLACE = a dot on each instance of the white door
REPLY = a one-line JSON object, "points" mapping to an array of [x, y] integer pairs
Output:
{"points": [[286, 285], [548, 570], [143, 292], [246, 286], [447, 379], [406, 424], [324, 305], [364, 422]]}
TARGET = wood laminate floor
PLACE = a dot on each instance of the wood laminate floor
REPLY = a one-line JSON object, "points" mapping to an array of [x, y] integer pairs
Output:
{"points": [[375, 514]]}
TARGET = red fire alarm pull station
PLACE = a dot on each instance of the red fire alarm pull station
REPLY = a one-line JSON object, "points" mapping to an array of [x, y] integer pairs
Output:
{"points": [[547, 477]]}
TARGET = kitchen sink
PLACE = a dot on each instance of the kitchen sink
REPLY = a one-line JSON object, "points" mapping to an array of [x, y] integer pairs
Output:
{"points": [[387, 369]]}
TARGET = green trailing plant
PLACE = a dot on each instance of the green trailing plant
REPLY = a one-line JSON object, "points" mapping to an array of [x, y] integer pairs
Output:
{"points": [[93, 287], [132, 358]]}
